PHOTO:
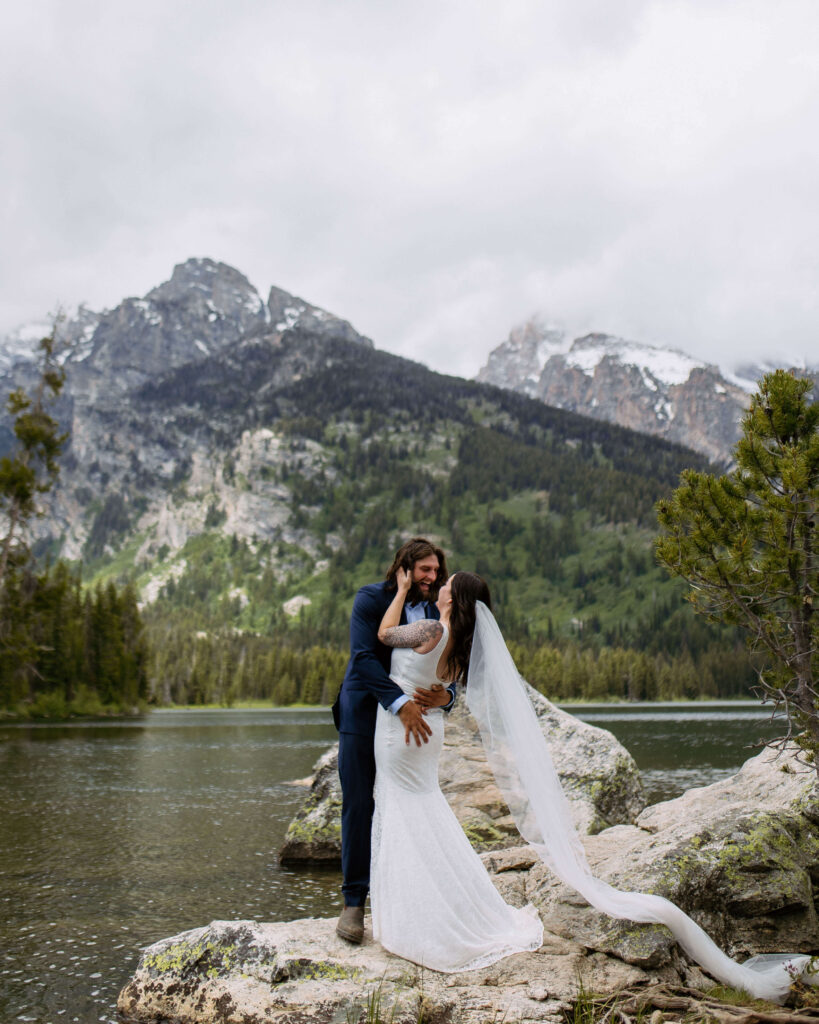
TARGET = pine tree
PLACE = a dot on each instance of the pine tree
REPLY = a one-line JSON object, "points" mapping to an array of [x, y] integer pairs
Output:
{"points": [[28, 472], [32, 468], [746, 543]]}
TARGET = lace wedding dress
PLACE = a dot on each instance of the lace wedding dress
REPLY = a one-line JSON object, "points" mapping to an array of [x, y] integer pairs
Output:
{"points": [[432, 900]]}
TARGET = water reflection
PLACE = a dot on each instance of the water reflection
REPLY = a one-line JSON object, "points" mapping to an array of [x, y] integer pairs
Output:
{"points": [[117, 834]]}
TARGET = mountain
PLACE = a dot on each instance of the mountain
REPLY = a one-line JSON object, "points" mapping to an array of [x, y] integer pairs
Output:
{"points": [[248, 464], [655, 390], [117, 451]]}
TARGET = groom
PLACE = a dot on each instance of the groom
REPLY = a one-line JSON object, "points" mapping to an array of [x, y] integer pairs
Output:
{"points": [[366, 684]]}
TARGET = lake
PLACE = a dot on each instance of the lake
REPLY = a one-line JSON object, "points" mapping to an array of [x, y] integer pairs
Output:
{"points": [[116, 834]]}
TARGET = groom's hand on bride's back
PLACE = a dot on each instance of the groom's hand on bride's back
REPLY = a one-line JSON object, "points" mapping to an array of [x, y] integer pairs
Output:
{"points": [[436, 696], [412, 717]]}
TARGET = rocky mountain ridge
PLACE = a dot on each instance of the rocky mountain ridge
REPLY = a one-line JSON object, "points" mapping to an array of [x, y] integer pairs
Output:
{"points": [[119, 449], [245, 461], [202, 309], [655, 390]]}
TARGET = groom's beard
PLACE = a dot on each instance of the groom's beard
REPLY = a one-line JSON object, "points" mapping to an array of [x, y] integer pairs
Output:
{"points": [[415, 594]]}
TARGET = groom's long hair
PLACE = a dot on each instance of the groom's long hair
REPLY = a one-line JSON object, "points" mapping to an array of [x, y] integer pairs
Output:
{"points": [[467, 588], [407, 555]]}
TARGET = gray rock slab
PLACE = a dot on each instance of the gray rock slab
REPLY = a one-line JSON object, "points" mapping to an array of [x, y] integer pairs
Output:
{"points": [[244, 972]]}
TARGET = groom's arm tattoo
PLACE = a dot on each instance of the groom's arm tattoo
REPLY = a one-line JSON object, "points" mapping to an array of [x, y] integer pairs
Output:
{"points": [[414, 634]]}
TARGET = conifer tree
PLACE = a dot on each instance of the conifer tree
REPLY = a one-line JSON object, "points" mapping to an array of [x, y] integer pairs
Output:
{"points": [[32, 468], [61, 651], [26, 472], [746, 543]]}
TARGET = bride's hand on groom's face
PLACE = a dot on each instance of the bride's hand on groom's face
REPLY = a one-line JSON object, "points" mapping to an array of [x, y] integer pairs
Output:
{"points": [[403, 579]]}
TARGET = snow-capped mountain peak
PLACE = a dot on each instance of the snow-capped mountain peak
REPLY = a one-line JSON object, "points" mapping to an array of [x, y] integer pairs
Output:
{"points": [[517, 364], [659, 366], [204, 308], [650, 388]]}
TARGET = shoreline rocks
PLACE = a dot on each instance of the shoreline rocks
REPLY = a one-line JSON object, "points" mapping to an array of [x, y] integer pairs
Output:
{"points": [[741, 856]]}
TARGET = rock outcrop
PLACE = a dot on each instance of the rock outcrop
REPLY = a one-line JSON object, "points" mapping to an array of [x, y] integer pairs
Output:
{"points": [[598, 775], [741, 856], [204, 308], [288, 312]]}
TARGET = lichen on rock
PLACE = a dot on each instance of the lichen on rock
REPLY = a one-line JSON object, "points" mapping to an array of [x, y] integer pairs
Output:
{"points": [[300, 972]]}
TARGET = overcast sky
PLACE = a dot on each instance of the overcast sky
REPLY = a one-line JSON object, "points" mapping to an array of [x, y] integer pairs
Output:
{"points": [[435, 172]]}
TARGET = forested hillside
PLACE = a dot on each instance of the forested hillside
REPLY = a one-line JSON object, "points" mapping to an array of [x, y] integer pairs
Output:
{"points": [[68, 652], [64, 650], [556, 510], [245, 466]]}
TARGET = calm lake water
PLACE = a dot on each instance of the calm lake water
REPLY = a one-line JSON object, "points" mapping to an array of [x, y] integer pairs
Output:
{"points": [[114, 835]]}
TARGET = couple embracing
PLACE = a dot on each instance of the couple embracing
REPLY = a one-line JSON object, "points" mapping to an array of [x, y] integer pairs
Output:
{"points": [[432, 901], [412, 639]]}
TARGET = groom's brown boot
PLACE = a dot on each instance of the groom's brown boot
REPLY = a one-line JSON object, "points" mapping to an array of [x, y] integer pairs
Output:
{"points": [[351, 924]]}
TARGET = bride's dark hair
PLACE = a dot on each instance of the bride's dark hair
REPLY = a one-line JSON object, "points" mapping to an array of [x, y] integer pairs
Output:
{"points": [[467, 588]]}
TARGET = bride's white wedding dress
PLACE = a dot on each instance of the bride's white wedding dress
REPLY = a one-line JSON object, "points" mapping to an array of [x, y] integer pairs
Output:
{"points": [[432, 900]]}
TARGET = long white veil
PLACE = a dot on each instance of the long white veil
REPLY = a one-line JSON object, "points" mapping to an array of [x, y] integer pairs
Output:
{"points": [[519, 758]]}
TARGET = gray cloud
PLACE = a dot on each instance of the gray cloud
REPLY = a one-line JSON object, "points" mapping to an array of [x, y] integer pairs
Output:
{"points": [[435, 173]]}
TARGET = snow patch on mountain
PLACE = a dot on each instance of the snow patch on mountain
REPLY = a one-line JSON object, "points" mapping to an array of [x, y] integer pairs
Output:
{"points": [[21, 344], [748, 375], [74, 334], [291, 316], [555, 340], [658, 365], [148, 310]]}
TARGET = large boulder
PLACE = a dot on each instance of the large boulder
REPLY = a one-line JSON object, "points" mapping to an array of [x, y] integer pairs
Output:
{"points": [[598, 775], [740, 856], [243, 972], [314, 835]]}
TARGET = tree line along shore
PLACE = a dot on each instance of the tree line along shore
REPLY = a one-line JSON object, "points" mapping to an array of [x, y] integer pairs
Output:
{"points": [[89, 655]]}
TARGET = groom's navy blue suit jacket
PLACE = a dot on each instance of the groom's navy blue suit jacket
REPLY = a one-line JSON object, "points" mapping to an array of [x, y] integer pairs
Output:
{"points": [[367, 680]]}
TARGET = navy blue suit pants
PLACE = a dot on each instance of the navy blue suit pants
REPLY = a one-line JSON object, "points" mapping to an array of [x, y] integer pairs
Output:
{"points": [[356, 769]]}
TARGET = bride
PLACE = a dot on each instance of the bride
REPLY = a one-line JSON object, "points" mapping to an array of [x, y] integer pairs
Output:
{"points": [[432, 900]]}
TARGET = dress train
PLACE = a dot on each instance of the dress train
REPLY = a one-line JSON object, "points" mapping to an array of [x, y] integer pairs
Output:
{"points": [[520, 761]]}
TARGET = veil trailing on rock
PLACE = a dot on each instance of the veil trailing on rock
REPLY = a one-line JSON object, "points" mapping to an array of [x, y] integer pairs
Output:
{"points": [[520, 761]]}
